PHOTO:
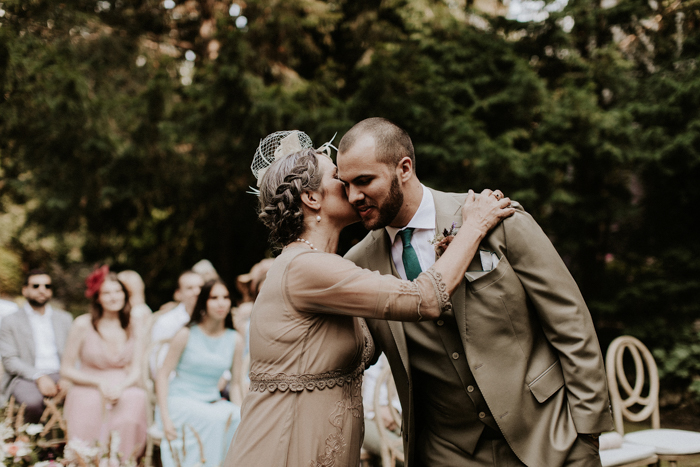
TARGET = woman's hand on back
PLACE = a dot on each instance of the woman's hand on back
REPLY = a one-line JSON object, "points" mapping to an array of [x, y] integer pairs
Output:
{"points": [[484, 212]]}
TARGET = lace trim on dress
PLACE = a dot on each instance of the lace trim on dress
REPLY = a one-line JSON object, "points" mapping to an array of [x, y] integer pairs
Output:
{"points": [[261, 382], [411, 288], [440, 290]]}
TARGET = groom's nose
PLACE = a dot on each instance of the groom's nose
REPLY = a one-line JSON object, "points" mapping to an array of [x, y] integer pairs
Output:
{"points": [[354, 195]]}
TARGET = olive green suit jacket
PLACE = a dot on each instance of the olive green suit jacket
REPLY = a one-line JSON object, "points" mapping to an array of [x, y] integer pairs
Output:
{"points": [[527, 334]]}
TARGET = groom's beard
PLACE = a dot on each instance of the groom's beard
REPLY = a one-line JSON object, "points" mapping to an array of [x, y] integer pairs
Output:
{"points": [[387, 212]]}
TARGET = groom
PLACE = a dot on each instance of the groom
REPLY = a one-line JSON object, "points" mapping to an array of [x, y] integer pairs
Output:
{"points": [[513, 375]]}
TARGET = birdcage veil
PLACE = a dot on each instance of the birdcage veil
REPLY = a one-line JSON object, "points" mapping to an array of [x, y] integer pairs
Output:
{"points": [[279, 145], [276, 145]]}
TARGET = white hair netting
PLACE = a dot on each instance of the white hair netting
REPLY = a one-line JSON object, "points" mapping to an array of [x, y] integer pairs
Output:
{"points": [[275, 146]]}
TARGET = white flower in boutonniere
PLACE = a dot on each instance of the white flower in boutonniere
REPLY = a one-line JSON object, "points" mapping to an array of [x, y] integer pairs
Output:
{"points": [[442, 240]]}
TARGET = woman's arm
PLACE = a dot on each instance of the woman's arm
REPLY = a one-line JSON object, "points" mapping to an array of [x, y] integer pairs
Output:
{"points": [[134, 372], [71, 353], [323, 283], [177, 346], [235, 389]]}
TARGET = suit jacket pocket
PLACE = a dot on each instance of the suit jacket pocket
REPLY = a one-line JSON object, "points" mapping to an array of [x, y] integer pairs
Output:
{"points": [[547, 383], [481, 279]]}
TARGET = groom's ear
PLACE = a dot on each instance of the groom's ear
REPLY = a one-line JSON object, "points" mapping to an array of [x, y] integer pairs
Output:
{"points": [[404, 169], [312, 199]]}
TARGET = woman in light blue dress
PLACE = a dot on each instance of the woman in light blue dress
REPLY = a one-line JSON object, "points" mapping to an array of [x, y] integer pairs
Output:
{"points": [[190, 405]]}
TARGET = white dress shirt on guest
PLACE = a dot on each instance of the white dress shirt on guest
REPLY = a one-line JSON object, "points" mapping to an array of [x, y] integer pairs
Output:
{"points": [[164, 329], [368, 387], [46, 360], [424, 224]]}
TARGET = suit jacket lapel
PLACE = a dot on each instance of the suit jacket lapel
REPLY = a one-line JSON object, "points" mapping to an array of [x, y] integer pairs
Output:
{"points": [[25, 330], [448, 211], [380, 260]]}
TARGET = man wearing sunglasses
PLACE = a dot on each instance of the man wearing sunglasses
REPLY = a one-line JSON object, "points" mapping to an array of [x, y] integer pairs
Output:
{"points": [[31, 346]]}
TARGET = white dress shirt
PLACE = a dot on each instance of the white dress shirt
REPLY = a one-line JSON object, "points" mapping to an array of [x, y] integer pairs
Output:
{"points": [[164, 329], [46, 359], [423, 222]]}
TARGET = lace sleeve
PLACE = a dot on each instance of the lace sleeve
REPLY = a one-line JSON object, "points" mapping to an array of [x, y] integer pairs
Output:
{"points": [[440, 287]]}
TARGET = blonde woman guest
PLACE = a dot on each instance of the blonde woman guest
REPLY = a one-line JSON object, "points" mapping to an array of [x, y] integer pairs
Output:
{"points": [[308, 342], [101, 359], [190, 402], [133, 282]]}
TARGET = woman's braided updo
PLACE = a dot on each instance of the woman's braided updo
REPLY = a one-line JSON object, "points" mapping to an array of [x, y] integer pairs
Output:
{"points": [[280, 194]]}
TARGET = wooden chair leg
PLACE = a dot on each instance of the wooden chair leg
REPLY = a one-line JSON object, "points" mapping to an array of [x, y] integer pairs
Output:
{"points": [[148, 458]]}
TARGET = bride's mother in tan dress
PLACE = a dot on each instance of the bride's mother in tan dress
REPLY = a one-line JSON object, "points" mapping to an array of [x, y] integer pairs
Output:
{"points": [[308, 342]]}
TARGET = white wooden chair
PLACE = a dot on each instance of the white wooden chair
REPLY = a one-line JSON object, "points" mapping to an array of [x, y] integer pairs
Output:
{"points": [[614, 452], [669, 445], [391, 447], [153, 433]]}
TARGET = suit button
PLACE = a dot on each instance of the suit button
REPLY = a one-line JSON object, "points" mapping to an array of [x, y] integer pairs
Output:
{"points": [[482, 415], [440, 322], [455, 355], [470, 388]]}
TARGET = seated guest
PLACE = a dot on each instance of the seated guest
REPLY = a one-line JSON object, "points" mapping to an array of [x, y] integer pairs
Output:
{"points": [[249, 286], [107, 347], [31, 344], [206, 270], [190, 403], [373, 441], [137, 295], [188, 286]]}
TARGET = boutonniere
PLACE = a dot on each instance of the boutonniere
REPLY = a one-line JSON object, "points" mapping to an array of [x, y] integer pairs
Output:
{"points": [[442, 240]]}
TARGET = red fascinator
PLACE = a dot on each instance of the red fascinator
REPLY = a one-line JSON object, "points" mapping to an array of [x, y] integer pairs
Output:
{"points": [[94, 280]]}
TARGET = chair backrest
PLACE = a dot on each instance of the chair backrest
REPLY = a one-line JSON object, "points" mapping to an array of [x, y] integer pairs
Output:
{"points": [[627, 400]]}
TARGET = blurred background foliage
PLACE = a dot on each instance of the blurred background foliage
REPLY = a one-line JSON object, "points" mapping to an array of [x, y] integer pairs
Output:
{"points": [[127, 128]]}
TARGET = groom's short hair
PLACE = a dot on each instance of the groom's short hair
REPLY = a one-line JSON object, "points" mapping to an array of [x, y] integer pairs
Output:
{"points": [[392, 142]]}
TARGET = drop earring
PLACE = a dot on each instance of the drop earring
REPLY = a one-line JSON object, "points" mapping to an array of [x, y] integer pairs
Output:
{"points": [[318, 218]]}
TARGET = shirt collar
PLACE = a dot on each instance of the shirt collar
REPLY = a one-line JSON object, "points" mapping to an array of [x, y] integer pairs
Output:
{"points": [[48, 311], [424, 218]]}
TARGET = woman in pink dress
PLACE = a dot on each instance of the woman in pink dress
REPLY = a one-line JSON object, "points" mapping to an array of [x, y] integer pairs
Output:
{"points": [[104, 401]]}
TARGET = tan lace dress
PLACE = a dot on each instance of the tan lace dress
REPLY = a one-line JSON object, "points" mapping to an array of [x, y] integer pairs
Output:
{"points": [[309, 348]]}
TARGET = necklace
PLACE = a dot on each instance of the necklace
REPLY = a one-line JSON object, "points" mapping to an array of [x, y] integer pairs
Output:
{"points": [[307, 242]]}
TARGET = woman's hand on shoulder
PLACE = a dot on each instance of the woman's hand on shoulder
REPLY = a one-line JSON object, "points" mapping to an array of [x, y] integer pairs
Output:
{"points": [[485, 211]]}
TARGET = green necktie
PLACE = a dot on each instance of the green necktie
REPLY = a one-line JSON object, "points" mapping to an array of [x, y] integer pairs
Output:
{"points": [[409, 256]]}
